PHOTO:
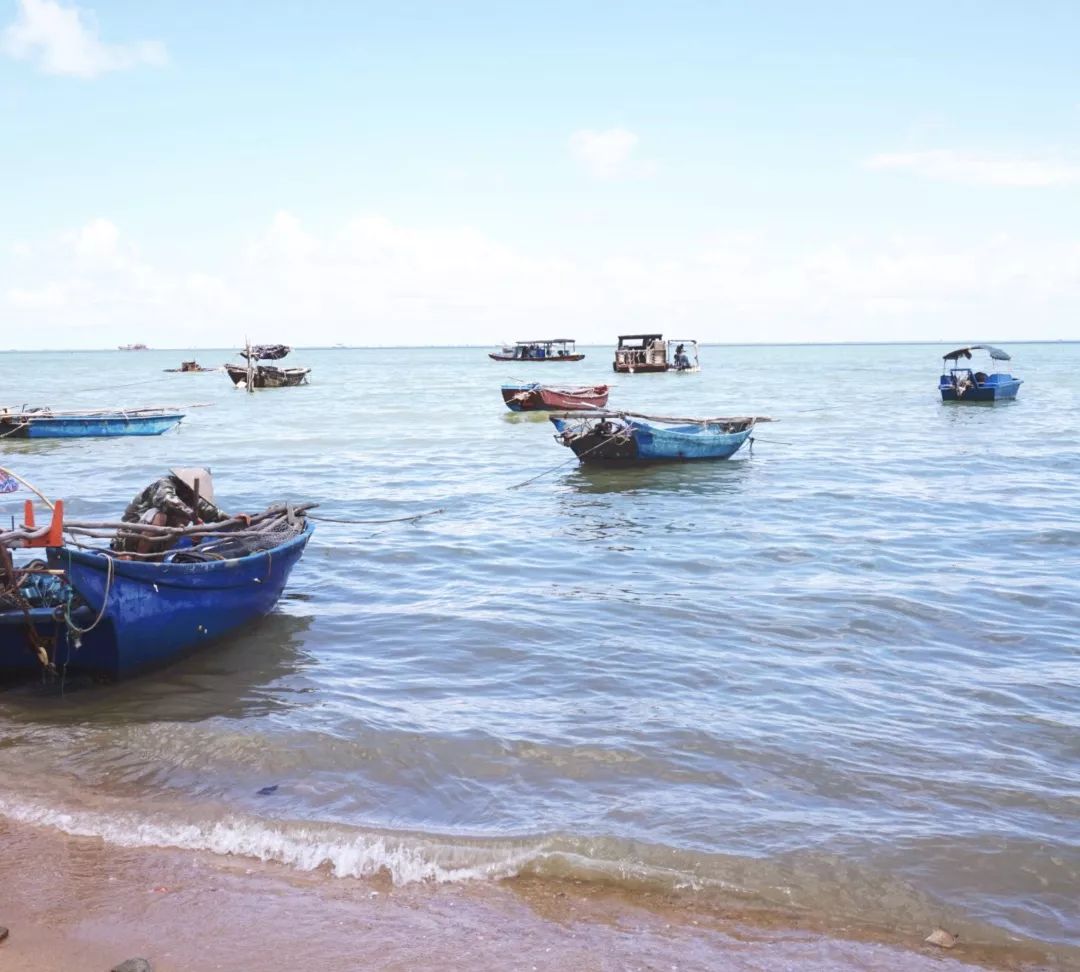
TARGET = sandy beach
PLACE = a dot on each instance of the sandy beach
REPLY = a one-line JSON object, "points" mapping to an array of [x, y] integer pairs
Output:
{"points": [[78, 903]]}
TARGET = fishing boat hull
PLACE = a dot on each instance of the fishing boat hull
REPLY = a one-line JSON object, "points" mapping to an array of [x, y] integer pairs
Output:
{"points": [[996, 388], [555, 357], [623, 368], [538, 398], [17, 657], [78, 427], [267, 376], [156, 612], [635, 441]]}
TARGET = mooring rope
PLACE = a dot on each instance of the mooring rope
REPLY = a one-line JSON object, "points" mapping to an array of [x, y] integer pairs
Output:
{"points": [[394, 519]]}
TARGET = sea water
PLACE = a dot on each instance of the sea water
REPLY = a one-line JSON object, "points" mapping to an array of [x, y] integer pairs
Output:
{"points": [[838, 672]]}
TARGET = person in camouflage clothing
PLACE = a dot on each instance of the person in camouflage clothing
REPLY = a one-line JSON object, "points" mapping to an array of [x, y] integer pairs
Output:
{"points": [[169, 501]]}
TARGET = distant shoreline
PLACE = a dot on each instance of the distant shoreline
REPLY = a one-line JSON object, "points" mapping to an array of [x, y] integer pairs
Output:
{"points": [[957, 342]]}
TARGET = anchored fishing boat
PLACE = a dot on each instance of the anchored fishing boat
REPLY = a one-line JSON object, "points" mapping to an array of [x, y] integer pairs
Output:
{"points": [[534, 397], [552, 349], [190, 367], [961, 383], [46, 423], [644, 353], [253, 375], [626, 438], [91, 608]]}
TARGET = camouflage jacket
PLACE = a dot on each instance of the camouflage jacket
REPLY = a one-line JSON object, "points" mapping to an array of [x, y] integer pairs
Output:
{"points": [[162, 495]]}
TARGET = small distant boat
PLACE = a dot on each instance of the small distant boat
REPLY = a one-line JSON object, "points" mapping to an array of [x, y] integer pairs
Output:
{"points": [[132, 347], [188, 367], [552, 349], [960, 383], [253, 375], [92, 610], [645, 353], [535, 397], [44, 423], [627, 438]]}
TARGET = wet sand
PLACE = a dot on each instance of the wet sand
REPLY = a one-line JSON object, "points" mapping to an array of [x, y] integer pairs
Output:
{"points": [[75, 903]]}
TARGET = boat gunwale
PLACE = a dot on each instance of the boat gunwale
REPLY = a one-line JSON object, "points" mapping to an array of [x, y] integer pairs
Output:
{"points": [[155, 571]]}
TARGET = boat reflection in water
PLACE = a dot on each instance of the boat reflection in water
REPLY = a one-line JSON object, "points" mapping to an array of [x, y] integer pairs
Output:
{"points": [[255, 673]]}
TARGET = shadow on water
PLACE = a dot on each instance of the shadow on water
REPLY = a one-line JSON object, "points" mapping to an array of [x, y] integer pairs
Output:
{"points": [[252, 674]]}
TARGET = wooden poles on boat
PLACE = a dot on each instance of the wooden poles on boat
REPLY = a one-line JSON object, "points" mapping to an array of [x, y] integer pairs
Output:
{"points": [[250, 366], [258, 523], [604, 413]]}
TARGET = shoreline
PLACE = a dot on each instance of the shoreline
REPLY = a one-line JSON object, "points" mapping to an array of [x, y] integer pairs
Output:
{"points": [[80, 903]]}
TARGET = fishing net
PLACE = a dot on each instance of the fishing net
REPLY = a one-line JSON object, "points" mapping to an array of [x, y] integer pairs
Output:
{"points": [[244, 543], [33, 589]]}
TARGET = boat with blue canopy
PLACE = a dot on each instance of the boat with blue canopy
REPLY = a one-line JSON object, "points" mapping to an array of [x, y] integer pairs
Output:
{"points": [[47, 423], [962, 383], [92, 609], [545, 349], [627, 438]]}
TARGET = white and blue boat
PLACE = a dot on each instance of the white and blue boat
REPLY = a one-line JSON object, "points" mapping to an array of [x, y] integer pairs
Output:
{"points": [[627, 438], [45, 423], [962, 383]]}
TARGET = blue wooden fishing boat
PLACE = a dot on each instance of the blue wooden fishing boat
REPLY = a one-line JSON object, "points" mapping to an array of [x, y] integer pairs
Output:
{"points": [[44, 423], [626, 438], [961, 383], [91, 610]]}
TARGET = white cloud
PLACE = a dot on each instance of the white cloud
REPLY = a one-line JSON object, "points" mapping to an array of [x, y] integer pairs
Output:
{"points": [[375, 281], [608, 154], [946, 165], [62, 42], [97, 241]]}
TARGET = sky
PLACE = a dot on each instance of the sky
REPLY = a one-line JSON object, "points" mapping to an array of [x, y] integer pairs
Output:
{"points": [[394, 173]]}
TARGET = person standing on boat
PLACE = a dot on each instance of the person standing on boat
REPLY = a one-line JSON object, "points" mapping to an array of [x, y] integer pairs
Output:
{"points": [[170, 501]]}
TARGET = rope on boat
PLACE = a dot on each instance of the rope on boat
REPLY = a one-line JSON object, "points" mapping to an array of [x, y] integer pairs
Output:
{"points": [[574, 458], [71, 625], [394, 519]]}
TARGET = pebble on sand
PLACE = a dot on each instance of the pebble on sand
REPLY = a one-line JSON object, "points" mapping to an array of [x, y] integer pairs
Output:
{"points": [[133, 965], [942, 938], [3, 933]]}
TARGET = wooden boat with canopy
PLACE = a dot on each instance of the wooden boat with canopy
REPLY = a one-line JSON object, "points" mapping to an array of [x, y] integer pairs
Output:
{"points": [[253, 375], [548, 349], [628, 438], [645, 353]]}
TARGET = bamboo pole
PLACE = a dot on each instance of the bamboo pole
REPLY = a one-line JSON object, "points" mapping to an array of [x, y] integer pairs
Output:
{"points": [[6, 413], [660, 418], [250, 367]]}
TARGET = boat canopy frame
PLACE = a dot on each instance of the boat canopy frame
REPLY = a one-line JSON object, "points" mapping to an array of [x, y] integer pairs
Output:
{"points": [[995, 353]]}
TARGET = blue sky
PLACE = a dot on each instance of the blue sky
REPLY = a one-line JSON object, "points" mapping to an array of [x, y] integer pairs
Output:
{"points": [[459, 173]]}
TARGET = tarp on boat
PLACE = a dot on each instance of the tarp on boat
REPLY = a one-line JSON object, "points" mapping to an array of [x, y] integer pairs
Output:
{"points": [[267, 352], [996, 353]]}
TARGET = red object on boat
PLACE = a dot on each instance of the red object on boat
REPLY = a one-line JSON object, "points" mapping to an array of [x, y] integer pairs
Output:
{"points": [[537, 398]]}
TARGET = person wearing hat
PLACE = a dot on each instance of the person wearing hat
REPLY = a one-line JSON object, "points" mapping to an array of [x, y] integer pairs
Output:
{"points": [[185, 496]]}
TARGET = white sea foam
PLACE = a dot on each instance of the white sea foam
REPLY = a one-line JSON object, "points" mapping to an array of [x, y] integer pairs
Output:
{"points": [[344, 851]]}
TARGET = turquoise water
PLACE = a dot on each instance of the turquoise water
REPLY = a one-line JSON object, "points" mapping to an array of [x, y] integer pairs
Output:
{"points": [[839, 672]]}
